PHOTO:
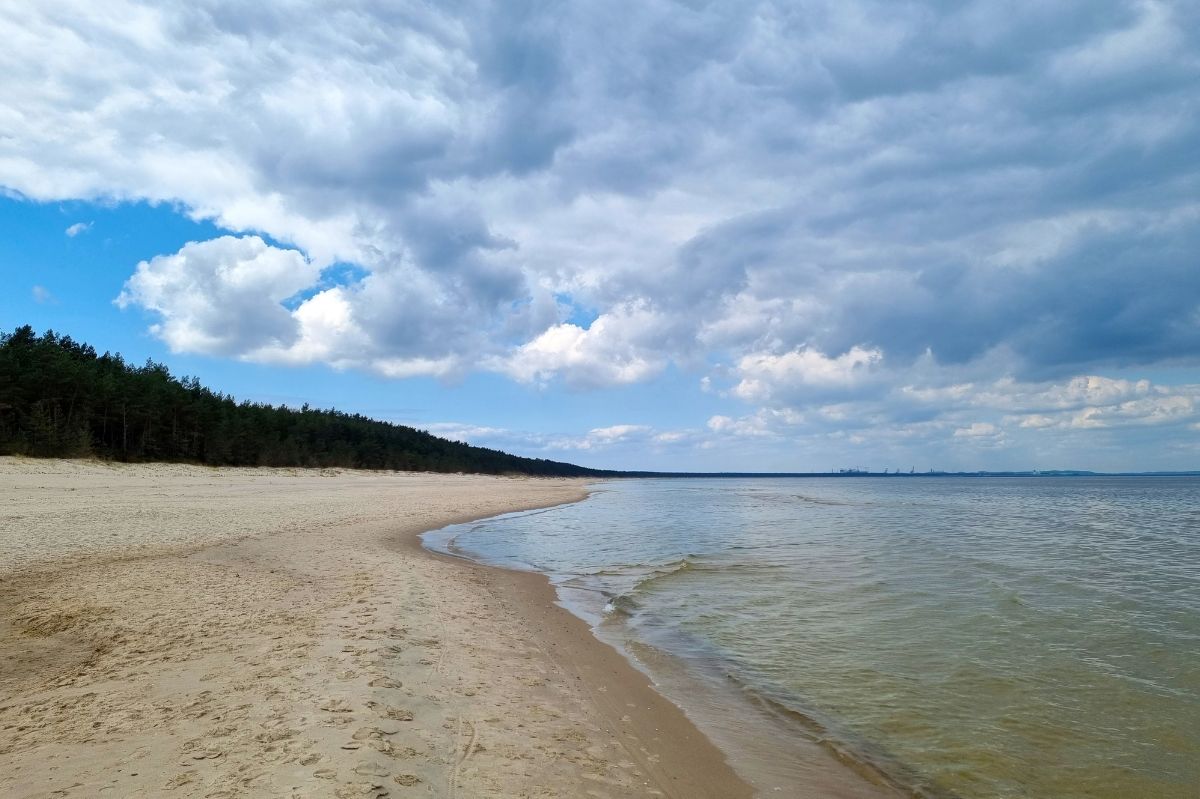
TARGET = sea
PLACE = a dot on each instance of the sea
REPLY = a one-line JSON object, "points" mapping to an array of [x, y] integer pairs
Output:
{"points": [[965, 637]]}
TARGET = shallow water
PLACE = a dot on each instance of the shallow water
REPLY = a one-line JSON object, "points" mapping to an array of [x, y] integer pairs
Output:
{"points": [[970, 637]]}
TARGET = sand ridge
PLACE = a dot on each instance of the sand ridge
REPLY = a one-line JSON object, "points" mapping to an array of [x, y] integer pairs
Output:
{"points": [[184, 631]]}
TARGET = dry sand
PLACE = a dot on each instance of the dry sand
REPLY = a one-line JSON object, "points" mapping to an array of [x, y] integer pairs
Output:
{"points": [[190, 632]]}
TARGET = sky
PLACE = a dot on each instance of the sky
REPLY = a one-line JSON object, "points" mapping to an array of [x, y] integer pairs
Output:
{"points": [[751, 236]]}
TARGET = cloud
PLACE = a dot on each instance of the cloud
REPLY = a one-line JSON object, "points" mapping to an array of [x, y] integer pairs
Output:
{"points": [[814, 205], [765, 423], [466, 433], [77, 228], [765, 376], [966, 434], [244, 298], [1089, 401], [616, 348], [977, 430], [600, 438], [42, 296], [600, 441], [223, 296], [1090, 416]]}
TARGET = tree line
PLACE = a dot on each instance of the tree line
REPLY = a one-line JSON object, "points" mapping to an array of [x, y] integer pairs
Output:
{"points": [[59, 398]]}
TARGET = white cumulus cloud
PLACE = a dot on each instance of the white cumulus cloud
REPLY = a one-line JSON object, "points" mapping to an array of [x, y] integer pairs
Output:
{"points": [[616, 348], [765, 376], [223, 296]]}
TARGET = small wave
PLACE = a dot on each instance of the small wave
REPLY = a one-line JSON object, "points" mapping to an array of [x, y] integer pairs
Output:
{"points": [[658, 571], [634, 601], [626, 604], [821, 500], [622, 606], [645, 572], [629, 569]]}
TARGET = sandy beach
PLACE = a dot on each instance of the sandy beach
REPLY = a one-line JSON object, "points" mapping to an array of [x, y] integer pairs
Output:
{"points": [[172, 630]]}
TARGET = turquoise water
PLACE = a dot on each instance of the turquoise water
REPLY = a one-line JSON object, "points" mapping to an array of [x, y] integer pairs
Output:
{"points": [[969, 637]]}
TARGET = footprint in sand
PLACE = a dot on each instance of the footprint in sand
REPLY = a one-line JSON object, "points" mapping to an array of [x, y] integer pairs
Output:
{"points": [[371, 770], [382, 747], [274, 736], [376, 733], [390, 712], [180, 780], [361, 789], [207, 754]]}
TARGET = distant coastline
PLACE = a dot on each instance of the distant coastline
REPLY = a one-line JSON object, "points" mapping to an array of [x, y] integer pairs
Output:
{"points": [[866, 473], [59, 398]]}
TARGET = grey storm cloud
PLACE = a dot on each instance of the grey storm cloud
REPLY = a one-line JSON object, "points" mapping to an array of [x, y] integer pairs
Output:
{"points": [[807, 202]]}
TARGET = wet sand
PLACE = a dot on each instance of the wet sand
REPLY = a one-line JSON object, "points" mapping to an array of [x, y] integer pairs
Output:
{"points": [[183, 631]]}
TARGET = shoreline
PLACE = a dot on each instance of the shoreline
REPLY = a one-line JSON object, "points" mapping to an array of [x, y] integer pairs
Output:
{"points": [[278, 633], [751, 730], [686, 762]]}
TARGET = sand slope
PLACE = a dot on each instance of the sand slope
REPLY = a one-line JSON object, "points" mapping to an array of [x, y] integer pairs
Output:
{"points": [[184, 631]]}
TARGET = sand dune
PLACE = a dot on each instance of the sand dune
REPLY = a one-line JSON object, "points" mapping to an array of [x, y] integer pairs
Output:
{"points": [[194, 632]]}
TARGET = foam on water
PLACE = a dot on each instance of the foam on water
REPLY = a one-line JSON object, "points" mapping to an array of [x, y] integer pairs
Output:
{"points": [[960, 637]]}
